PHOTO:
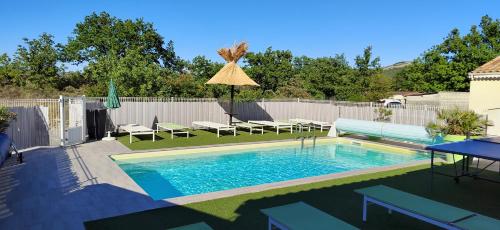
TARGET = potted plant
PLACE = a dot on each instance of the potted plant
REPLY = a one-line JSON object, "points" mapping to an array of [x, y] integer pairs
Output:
{"points": [[6, 117]]}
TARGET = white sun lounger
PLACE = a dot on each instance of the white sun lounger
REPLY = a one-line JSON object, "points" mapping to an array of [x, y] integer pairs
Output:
{"points": [[251, 126], [321, 124], [135, 129], [173, 128], [213, 125], [275, 124]]}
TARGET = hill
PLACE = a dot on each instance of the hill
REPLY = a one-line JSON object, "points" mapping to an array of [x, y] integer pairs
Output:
{"points": [[392, 70]]}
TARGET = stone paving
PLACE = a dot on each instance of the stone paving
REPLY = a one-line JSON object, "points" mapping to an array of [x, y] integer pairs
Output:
{"points": [[60, 188]]}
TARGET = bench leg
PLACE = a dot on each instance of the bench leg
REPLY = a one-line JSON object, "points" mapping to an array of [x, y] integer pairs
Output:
{"points": [[364, 208], [130, 142], [153, 136], [217, 133], [234, 132], [172, 135]]}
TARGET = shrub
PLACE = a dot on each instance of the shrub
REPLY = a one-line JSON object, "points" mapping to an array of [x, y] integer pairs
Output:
{"points": [[457, 122], [5, 117], [383, 114]]}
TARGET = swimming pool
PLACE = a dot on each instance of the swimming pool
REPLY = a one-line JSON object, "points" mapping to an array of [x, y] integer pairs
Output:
{"points": [[172, 176]]}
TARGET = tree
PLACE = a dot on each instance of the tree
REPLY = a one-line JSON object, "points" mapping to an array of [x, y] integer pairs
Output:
{"points": [[365, 67], [294, 89], [36, 60], [323, 77], [202, 69], [7, 71], [170, 60], [101, 34], [379, 87], [133, 74], [445, 67], [182, 85], [130, 52], [271, 69]]}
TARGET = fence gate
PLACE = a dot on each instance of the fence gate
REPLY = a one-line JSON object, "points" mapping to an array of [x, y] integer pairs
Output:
{"points": [[73, 128]]}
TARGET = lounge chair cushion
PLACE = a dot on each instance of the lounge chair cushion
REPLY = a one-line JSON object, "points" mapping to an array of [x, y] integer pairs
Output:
{"points": [[298, 216], [415, 204], [196, 226]]}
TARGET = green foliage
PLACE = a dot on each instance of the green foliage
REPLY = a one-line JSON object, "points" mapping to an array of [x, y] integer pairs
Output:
{"points": [[271, 69], [366, 66], [457, 122], [323, 77], [133, 74], [34, 64], [445, 67], [383, 114], [379, 86], [101, 35], [5, 117], [136, 57]]}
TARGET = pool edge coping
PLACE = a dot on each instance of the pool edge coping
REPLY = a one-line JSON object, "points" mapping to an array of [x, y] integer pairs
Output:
{"points": [[241, 146]]}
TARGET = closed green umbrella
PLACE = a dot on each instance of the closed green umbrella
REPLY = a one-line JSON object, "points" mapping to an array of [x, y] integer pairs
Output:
{"points": [[113, 102]]}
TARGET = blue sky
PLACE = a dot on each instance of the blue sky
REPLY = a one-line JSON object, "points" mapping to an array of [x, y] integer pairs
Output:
{"points": [[397, 30]]}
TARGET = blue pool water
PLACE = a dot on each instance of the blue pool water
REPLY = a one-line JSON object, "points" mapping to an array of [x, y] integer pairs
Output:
{"points": [[182, 175]]}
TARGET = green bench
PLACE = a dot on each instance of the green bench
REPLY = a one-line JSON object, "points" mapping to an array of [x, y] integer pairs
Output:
{"points": [[430, 211], [301, 216]]}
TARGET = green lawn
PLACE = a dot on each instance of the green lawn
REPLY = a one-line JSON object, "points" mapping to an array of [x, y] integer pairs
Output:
{"points": [[335, 197], [202, 137]]}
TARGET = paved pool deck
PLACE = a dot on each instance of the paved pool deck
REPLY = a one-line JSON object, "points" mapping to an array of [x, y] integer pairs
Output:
{"points": [[60, 188]]}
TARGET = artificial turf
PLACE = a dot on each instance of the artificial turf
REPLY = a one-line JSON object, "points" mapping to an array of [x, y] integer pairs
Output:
{"points": [[203, 137], [335, 197]]}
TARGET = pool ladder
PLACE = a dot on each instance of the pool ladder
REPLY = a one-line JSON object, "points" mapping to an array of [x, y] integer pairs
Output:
{"points": [[303, 137]]}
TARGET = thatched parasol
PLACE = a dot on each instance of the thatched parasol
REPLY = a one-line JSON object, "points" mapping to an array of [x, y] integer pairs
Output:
{"points": [[231, 74]]}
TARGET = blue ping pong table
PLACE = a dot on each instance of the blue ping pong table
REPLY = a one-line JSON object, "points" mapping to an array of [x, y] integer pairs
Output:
{"points": [[486, 148]]}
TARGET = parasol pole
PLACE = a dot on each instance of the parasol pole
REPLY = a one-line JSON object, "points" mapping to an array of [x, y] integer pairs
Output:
{"points": [[231, 106]]}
